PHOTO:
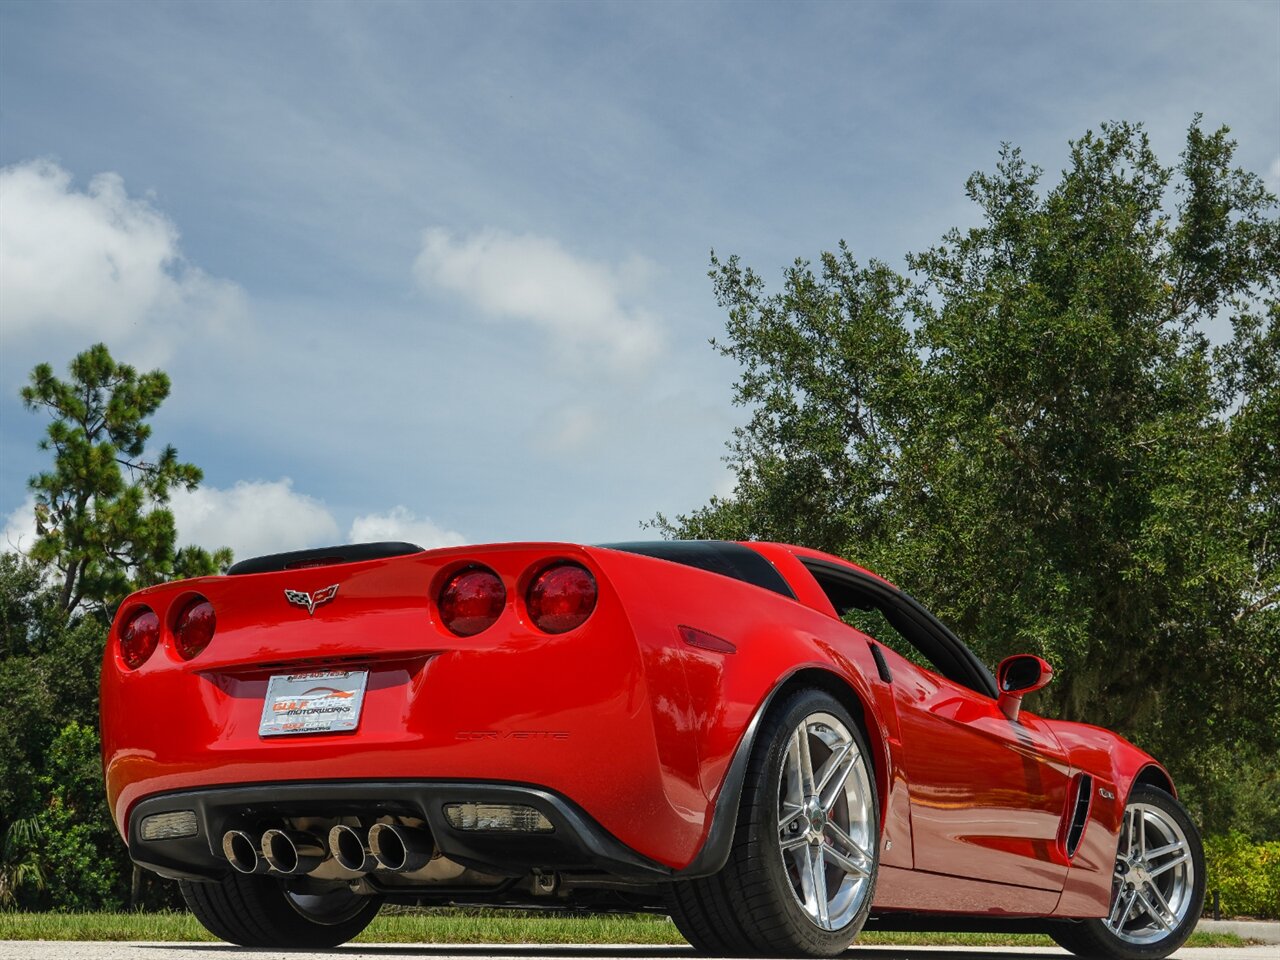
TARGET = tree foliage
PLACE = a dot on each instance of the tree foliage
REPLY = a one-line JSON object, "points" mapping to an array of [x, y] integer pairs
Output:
{"points": [[50, 769], [100, 515], [1032, 433], [102, 530]]}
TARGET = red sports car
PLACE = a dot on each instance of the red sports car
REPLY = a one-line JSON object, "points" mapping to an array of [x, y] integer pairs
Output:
{"points": [[695, 728]]}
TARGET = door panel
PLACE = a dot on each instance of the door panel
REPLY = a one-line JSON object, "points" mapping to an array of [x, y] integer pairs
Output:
{"points": [[987, 794]]}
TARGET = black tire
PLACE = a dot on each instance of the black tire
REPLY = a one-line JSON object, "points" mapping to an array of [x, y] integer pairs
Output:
{"points": [[257, 911], [750, 908], [1094, 938]]}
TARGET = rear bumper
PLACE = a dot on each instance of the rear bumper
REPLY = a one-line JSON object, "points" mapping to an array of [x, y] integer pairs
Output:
{"points": [[576, 843], [453, 716]]}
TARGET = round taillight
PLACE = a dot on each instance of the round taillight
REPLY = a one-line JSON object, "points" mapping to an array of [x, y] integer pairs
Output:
{"points": [[194, 628], [138, 637], [471, 601], [561, 598]]}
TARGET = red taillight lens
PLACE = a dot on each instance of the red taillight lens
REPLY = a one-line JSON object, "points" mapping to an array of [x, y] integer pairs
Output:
{"points": [[138, 637], [561, 598], [194, 628], [472, 601]]}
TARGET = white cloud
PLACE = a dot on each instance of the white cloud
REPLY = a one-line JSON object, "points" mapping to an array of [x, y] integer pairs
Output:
{"points": [[1274, 174], [259, 517], [726, 486], [20, 528], [573, 427], [97, 261], [252, 518], [531, 279], [402, 524]]}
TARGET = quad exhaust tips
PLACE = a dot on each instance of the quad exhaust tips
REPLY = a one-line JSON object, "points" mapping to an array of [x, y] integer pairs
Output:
{"points": [[286, 852], [387, 846], [400, 849]]}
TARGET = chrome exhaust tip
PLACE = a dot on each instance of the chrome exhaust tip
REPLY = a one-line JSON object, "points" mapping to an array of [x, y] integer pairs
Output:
{"points": [[401, 849], [292, 852], [241, 850], [350, 849]]}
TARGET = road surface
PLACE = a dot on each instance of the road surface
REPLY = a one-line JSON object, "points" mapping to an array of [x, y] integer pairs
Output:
{"points": [[79, 950]]}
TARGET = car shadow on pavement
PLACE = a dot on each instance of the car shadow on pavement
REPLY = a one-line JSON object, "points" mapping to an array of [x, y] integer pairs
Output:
{"points": [[533, 951], [539, 951]]}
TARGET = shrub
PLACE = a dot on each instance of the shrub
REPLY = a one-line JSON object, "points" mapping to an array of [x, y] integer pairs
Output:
{"points": [[85, 861], [1246, 875]]}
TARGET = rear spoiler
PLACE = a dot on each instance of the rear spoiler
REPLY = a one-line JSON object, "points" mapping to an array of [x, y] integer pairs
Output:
{"points": [[323, 557]]}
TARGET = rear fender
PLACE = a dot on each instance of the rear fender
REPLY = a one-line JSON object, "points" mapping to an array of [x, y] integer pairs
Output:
{"points": [[715, 850]]}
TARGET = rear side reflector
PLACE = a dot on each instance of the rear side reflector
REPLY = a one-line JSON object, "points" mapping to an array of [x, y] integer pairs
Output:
{"points": [[138, 637], [497, 817], [169, 826], [561, 598], [707, 641], [471, 601]]}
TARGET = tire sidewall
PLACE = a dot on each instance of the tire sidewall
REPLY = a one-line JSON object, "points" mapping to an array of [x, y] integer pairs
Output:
{"points": [[254, 911], [308, 928]]}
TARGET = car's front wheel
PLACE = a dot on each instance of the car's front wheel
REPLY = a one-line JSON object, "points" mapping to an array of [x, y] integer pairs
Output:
{"points": [[1157, 888], [802, 870], [256, 911]]}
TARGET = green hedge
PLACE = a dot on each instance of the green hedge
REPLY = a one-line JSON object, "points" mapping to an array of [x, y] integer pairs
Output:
{"points": [[1245, 874]]}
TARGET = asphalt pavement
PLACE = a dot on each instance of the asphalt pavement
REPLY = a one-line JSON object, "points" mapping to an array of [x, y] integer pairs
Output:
{"points": [[81, 950]]}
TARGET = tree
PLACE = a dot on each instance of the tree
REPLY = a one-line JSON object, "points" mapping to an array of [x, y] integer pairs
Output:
{"points": [[50, 767], [104, 532], [1033, 433], [19, 861]]}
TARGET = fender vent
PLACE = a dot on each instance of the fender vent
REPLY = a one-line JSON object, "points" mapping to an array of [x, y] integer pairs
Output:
{"points": [[882, 666], [1079, 813]]}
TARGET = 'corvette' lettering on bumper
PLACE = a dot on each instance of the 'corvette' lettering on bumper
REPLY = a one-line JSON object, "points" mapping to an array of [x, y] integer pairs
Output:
{"points": [[513, 735]]}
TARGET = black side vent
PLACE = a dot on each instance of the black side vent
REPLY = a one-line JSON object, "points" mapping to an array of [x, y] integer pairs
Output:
{"points": [[1084, 794], [882, 666]]}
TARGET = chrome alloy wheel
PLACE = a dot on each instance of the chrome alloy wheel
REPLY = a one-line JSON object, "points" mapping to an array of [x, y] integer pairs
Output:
{"points": [[825, 832], [1151, 889]]}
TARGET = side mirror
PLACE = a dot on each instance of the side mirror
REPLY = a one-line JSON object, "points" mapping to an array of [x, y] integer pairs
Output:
{"points": [[1019, 675]]}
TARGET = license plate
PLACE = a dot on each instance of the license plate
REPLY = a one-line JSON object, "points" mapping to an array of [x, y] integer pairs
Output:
{"points": [[325, 702]]}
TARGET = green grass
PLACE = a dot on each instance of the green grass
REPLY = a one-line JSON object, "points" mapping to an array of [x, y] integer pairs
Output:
{"points": [[475, 926]]}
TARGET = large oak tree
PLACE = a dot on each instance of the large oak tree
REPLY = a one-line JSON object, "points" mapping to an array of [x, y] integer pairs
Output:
{"points": [[1032, 433]]}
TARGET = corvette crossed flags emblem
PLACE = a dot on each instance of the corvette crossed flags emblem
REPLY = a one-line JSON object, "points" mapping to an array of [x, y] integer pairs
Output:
{"points": [[311, 600]]}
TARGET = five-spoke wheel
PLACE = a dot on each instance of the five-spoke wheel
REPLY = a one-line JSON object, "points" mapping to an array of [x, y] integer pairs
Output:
{"points": [[1154, 876], [824, 820]]}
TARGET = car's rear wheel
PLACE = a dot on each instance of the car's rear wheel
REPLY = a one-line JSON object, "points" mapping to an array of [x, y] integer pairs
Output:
{"points": [[802, 869], [258, 911], [1157, 888]]}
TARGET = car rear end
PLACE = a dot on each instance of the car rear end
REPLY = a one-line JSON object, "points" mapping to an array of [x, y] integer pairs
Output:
{"points": [[490, 702]]}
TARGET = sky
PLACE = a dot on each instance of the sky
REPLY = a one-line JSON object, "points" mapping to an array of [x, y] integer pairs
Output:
{"points": [[437, 272]]}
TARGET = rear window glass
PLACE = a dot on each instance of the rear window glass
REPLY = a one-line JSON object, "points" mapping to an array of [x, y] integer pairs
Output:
{"points": [[715, 556]]}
